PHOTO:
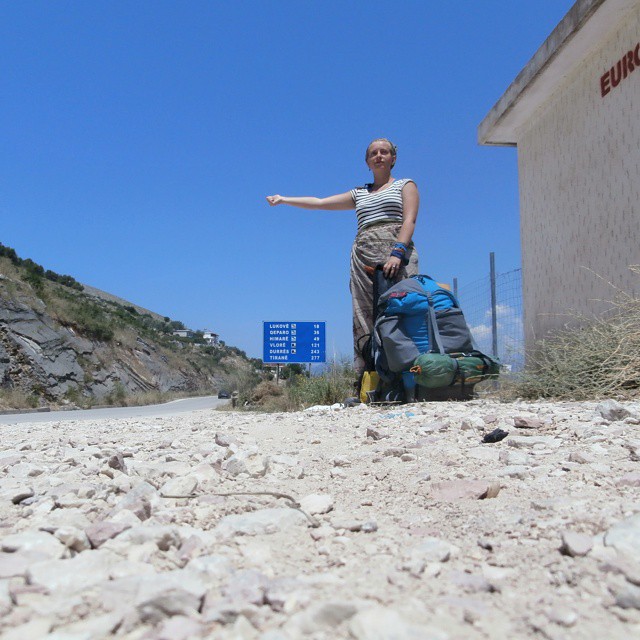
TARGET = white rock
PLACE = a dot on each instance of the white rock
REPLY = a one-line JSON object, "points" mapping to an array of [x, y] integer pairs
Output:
{"points": [[73, 538], [131, 567], [15, 492], [151, 594], [510, 457], [142, 500], [100, 626], [180, 628], [473, 423], [487, 454], [34, 542], [26, 470], [562, 616], [263, 521], [5, 597], [64, 518], [514, 471], [73, 575], [530, 442], [204, 472], [282, 594], [249, 462], [628, 597], [163, 536], [379, 623], [170, 602], [211, 566], [576, 544], [32, 630], [428, 551], [243, 629], [320, 617], [624, 537], [125, 517], [612, 410], [183, 486], [317, 503]]}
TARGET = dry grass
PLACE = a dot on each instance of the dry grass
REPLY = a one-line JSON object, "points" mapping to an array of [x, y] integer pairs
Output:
{"points": [[300, 392], [17, 399], [158, 397], [600, 358], [334, 385], [242, 379]]}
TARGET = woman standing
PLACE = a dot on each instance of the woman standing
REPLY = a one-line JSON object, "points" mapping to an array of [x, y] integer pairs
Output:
{"points": [[386, 210]]}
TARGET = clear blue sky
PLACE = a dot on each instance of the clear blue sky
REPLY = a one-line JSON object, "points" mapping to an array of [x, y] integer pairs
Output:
{"points": [[139, 140]]}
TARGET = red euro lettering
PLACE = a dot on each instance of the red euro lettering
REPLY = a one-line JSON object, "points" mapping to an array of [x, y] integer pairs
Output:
{"points": [[604, 84]]}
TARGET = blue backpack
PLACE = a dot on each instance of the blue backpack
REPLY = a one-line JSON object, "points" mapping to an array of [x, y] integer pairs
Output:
{"points": [[417, 316]]}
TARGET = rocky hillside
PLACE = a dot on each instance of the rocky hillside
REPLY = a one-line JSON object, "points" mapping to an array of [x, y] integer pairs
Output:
{"points": [[62, 343]]}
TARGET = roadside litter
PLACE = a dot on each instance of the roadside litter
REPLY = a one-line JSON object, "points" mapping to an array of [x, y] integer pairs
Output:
{"points": [[318, 408], [495, 436]]}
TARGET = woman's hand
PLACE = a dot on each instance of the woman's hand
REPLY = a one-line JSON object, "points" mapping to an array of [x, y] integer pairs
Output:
{"points": [[274, 200], [391, 267]]}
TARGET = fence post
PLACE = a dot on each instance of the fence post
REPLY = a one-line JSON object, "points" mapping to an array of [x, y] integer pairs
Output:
{"points": [[494, 315]]}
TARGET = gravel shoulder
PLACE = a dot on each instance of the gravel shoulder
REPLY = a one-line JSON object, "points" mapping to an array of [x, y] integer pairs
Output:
{"points": [[365, 523]]}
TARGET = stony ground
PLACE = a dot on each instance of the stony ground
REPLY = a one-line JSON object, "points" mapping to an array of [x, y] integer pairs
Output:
{"points": [[408, 527]]}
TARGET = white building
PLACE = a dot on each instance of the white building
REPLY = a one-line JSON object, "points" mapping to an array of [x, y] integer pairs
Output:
{"points": [[211, 338], [574, 114], [184, 333]]}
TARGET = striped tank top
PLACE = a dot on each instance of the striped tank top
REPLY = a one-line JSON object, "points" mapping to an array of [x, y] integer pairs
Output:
{"points": [[380, 206]]}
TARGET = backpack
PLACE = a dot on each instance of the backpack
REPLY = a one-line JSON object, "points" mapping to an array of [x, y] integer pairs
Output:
{"points": [[421, 330], [369, 380]]}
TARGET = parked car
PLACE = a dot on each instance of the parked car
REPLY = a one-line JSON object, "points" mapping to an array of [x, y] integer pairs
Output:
{"points": [[222, 394]]}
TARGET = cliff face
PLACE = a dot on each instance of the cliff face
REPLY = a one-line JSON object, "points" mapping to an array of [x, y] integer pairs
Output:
{"points": [[57, 344]]}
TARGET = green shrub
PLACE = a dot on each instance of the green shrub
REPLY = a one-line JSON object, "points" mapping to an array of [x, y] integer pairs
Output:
{"points": [[8, 252], [89, 320], [117, 396], [35, 280]]}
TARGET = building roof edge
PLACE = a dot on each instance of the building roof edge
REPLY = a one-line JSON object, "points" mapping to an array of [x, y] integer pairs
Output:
{"points": [[500, 124]]}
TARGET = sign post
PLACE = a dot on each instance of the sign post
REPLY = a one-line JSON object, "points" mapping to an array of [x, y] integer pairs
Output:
{"points": [[294, 342]]}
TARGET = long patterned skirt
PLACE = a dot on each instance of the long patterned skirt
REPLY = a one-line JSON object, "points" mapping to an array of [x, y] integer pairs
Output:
{"points": [[371, 247]]}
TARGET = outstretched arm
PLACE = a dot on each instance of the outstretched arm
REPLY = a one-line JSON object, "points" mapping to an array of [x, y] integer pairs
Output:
{"points": [[341, 201]]}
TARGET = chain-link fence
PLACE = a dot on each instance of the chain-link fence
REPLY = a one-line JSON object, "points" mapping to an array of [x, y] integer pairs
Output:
{"points": [[496, 324]]}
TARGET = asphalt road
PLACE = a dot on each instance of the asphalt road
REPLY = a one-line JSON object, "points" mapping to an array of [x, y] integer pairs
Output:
{"points": [[114, 413]]}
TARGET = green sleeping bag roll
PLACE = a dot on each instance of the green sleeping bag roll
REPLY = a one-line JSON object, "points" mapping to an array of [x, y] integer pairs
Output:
{"points": [[470, 369], [434, 370]]}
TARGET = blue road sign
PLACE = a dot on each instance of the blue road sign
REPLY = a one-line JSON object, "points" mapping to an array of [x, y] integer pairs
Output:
{"points": [[286, 342]]}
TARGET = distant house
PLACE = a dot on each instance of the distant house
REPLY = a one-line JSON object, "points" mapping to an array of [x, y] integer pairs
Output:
{"points": [[211, 338], [184, 333]]}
